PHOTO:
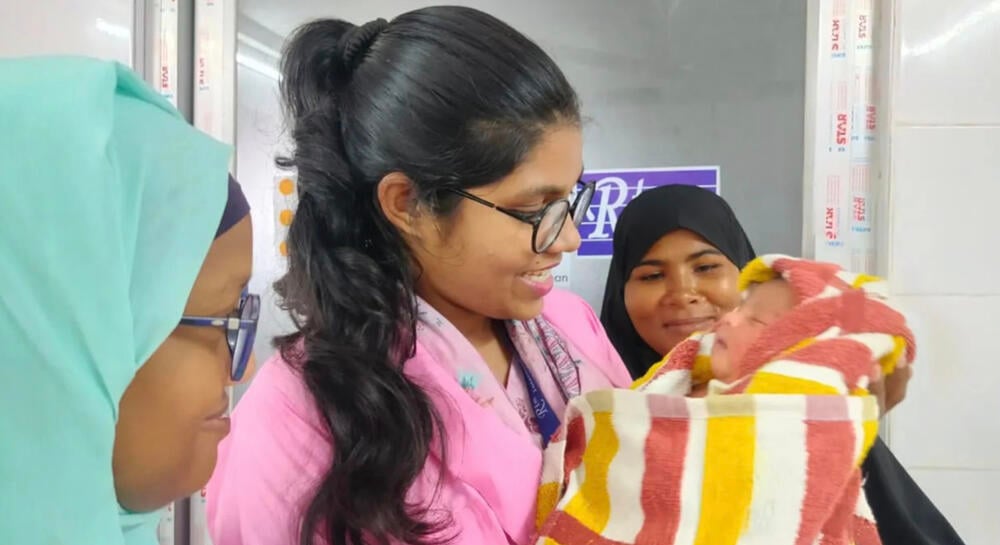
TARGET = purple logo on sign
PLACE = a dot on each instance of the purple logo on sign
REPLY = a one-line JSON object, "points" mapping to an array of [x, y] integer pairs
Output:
{"points": [[615, 188]]}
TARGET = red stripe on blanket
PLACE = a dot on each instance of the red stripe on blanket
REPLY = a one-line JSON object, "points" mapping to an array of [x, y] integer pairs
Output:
{"points": [[837, 530], [865, 532], [851, 358], [576, 443], [665, 453], [830, 448], [809, 278], [681, 357], [566, 530]]}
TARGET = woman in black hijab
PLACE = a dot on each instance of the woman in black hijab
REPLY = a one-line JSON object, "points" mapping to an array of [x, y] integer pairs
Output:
{"points": [[706, 256], [676, 258]]}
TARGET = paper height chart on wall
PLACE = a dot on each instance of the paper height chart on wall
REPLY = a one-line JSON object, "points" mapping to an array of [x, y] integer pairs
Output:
{"points": [[166, 49], [864, 131], [208, 68], [214, 72], [847, 121]]}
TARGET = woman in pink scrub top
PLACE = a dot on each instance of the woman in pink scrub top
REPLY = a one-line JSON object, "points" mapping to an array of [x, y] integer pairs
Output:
{"points": [[439, 158]]}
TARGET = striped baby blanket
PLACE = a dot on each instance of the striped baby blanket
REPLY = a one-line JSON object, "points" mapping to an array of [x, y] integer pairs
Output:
{"points": [[772, 459], [637, 468]]}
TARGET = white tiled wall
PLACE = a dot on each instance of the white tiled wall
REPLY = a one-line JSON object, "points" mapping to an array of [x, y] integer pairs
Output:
{"points": [[96, 28], [950, 419], [950, 75], [945, 199], [944, 252]]}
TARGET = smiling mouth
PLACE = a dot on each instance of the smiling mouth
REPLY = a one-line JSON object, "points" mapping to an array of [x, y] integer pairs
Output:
{"points": [[538, 276], [541, 272]]}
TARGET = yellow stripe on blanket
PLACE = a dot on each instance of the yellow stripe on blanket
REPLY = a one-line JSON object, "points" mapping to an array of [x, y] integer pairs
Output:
{"points": [[548, 499], [773, 383], [870, 428], [701, 372], [890, 361], [591, 505], [798, 346], [861, 279], [729, 464]]}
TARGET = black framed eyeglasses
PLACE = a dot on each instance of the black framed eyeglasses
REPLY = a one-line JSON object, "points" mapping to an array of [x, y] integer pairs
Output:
{"points": [[547, 223], [241, 330]]}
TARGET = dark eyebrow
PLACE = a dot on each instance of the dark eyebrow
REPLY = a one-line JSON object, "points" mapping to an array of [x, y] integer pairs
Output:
{"points": [[693, 257], [703, 253]]}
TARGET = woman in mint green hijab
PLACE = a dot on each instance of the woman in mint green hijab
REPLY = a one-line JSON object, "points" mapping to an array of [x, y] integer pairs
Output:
{"points": [[123, 314]]}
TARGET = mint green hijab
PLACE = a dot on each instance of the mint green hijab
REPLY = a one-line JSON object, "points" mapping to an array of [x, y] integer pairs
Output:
{"points": [[108, 204]]}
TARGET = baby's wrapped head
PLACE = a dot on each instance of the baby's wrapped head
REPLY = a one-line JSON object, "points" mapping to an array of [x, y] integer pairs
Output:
{"points": [[797, 317], [791, 305]]}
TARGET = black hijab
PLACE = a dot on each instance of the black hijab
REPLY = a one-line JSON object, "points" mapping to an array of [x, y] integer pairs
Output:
{"points": [[648, 218]]}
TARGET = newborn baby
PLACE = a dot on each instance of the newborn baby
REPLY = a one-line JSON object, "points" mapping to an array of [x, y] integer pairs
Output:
{"points": [[804, 327], [737, 330], [751, 433]]}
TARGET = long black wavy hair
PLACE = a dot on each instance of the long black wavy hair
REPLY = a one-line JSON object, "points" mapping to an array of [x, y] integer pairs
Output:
{"points": [[452, 98]]}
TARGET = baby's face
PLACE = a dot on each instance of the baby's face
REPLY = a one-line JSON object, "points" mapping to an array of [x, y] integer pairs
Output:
{"points": [[737, 330]]}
